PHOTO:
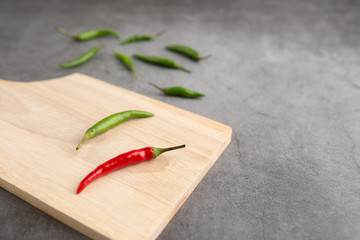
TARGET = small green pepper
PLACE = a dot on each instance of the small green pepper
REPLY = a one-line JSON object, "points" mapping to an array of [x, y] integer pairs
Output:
{"points": [[126, 61], [87, 35], [138, 38], [187, 51], [160, 62], [82, 59], [179, 91], [110, 122]]}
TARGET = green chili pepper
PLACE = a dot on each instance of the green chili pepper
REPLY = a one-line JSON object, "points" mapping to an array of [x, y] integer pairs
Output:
{"points": [[187, 51], [138, 38], [87, 35], [127, 62], [112, 121], [82, 59], [161, 62], [179, 91]]}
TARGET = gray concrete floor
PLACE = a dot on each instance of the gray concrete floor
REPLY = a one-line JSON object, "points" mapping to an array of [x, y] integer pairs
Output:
{"points": [[284, 75]]}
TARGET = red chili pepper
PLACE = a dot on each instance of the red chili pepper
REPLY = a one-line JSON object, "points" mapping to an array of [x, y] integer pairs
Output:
{"points": [[123, 160]]}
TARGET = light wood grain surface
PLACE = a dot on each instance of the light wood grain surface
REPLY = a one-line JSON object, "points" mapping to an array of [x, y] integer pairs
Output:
{"points": [[42, 122]]}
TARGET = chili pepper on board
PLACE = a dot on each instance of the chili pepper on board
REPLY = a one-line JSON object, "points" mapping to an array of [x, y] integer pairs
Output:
{"points": [[123, 160], [111, 121], [82, 59], [187, 51], [89, 34], [127, 62], [138, 38], [160, 62], [178, 91]]}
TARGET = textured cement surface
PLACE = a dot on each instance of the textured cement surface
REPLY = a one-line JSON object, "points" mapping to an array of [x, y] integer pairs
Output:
{"points": [[284, 75]]}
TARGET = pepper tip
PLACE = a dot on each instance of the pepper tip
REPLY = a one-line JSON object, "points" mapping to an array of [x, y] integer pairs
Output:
{"points": [[80, 188]]}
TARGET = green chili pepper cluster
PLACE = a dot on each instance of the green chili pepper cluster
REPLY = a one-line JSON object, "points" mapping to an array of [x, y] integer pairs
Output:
{"points": [[110, 122], [127, 61]]}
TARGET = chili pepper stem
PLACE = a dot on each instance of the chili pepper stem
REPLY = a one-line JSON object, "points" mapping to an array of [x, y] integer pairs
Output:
{"points": [[204, 57], [158, 151], [154, 85], [135, 75], [82, 142], [159, 33], [64, 32], [184, 69]]}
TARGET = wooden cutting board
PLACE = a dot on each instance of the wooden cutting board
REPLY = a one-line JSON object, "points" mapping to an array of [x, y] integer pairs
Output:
{"points": [[42, 122]]}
